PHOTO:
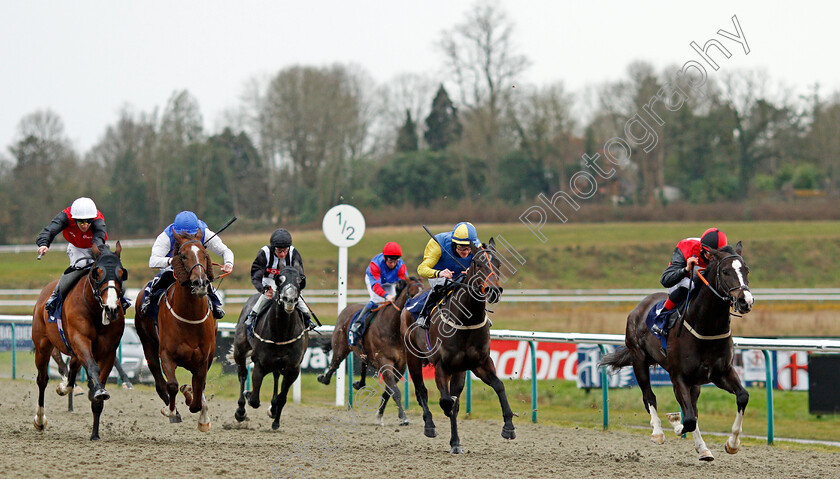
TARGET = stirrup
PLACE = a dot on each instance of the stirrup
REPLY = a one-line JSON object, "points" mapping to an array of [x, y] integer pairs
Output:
{"points": [[423, 322]]}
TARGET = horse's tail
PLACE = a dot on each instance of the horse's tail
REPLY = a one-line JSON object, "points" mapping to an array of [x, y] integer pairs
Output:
{"points": [[616, 359]]}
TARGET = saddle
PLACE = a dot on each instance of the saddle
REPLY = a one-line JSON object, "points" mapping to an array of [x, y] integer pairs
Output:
{"points": [[364, 323], [665, 325]]}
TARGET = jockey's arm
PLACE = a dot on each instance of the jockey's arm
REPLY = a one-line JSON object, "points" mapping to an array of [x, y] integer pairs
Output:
{"points": [[52, 229], [160, 252], [99, 231], [430, 258], [217, 246], [258, 271], [675, 272], [375, 279]]}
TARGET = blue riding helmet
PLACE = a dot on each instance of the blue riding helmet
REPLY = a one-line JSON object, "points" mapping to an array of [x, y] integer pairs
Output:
{"points": [[186, 222], [464, 233]]}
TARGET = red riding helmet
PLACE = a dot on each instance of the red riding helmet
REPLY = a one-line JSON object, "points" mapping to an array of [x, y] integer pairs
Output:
{"points": [[713, 238], [392, 249]]}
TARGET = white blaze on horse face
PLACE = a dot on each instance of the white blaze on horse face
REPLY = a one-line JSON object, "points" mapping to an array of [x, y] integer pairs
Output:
{"points": [[111, 298], [748, 297]]}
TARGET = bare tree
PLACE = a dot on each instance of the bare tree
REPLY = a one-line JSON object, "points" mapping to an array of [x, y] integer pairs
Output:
{"points": [[482, 57]]}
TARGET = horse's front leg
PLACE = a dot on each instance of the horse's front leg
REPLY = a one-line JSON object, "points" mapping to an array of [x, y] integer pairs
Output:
{"points": [[732, 383], [171, 388], [272, 409], [361, 383], [279, 400], [456, 386], [687, 397], [98, 404], [257, 375], [487, 373], [196, 400]]}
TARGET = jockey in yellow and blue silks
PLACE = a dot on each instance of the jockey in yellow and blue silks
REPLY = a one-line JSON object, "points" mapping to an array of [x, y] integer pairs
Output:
{"points": [[447, 255], [381, 277]]}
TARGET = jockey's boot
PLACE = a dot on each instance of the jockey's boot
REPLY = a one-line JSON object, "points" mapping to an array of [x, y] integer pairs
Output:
{"points": [[126, 303], [51, 303], [423, 317], [249, 320], [353, 338], [306, 315], [660, 322], [215, 303], [61, 288]]}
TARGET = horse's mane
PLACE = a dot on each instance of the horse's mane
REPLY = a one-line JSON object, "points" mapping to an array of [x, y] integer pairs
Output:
{"points": [[180, 271]]}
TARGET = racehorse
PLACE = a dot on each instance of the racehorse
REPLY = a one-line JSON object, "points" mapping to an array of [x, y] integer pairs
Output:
{"points": [[89, 330], [381, 347], [458, 341], [184, 333], [279, 342], [701, 354]]}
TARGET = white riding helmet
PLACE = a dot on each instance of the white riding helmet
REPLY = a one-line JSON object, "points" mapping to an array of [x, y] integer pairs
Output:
{"points": [[83, 209]]}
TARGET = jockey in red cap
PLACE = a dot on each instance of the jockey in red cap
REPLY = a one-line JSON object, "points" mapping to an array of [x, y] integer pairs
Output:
{"points": [[381, 277]]}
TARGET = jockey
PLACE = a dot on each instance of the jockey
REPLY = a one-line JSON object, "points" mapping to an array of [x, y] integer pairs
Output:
{"points": [[689, 253], [447, 255], [186, 222], [268, 264], [82, 225], [381, 276]]}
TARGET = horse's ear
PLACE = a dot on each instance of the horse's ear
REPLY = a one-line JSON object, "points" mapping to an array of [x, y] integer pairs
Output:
{"points": [[200, 235], [177, 236], [738, 248], [119, 248], [492, 243]]}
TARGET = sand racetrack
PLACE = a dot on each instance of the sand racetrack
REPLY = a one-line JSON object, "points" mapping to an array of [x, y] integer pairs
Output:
{"points": [[138, 442]]}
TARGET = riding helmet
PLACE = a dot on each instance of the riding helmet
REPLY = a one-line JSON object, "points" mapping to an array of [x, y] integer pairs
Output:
{"points": [[392, 249], [281, 239], [713, 238], [186, 222], [83, 209], [464, 233]]}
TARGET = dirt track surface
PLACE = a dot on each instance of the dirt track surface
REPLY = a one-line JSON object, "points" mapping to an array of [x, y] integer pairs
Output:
{"points": [[138, 442]]}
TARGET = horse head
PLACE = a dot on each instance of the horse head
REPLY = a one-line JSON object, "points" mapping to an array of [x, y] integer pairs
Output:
{"points": [[191, 264], [288, 288], [413, 286], [106, 280], [730, 277], [483, 273]]}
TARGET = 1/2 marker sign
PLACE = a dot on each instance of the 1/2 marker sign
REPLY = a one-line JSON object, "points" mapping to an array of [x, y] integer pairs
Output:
{"points": [[344, 225]]}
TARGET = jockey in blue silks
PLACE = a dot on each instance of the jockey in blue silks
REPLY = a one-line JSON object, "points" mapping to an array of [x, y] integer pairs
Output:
{"points": [[186, 222], [447, 255]]}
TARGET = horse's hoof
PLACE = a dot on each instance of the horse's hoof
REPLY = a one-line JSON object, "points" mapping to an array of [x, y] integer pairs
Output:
{"points": [[39, 427], [62, 390], [204, 427], [101, 395], [175, 419], [240, 416], [404, 422], [275, 426], [323, 379], [706, 455], [509, 433], [379, 419], [430, 432], [127, 386], [357, 385], [254, 404], [94, 437], [658, 438], [456, 450], [730, 450]]}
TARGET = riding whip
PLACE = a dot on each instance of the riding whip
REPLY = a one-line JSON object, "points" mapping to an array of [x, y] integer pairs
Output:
{"points": [[311, 312], [230, 222], [438, 242]]}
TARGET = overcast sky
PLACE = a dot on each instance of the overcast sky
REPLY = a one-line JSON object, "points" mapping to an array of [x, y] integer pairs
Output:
{"points": [[85, 59]]}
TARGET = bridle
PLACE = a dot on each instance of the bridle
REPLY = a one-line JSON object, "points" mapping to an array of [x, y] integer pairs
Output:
{"points": [[728, 298], [197, 263]]}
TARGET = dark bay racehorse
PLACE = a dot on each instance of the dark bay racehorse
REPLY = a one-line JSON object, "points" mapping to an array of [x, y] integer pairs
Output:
{"points": [[382, 345], [279, 343], [92, 322], [185, 332], [458, 341], [700, 354]]}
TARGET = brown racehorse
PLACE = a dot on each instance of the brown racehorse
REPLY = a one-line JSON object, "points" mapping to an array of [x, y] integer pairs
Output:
{"points": [[92, 322], [382, 345], [458, 341], [699, 351], [185, 332]]}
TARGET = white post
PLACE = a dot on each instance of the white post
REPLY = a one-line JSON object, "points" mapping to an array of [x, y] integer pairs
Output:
{"points": [[296, 390], [343, 226], [342, 303]]}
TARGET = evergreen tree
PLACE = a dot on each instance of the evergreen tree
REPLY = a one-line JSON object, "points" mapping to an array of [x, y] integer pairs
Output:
{"points": [[407, 136], [442, 125]]}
